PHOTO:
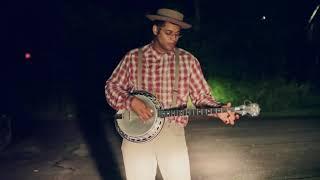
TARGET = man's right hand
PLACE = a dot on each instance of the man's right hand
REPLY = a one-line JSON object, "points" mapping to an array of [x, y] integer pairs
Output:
{"points": [[141, 109]]}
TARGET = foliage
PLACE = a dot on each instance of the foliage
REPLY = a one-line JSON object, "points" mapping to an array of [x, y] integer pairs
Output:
{"points": [[273, 95]]}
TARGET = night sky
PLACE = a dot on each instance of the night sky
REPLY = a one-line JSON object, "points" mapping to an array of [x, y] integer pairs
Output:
{"points": [[75, 45]]}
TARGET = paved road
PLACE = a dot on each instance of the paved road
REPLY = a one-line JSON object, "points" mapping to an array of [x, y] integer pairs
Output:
{"points": [[255, 149]]}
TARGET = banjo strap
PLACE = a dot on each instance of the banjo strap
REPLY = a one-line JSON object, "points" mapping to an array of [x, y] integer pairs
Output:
{"points": [[176, 77], [176, 74], [139, 68]]}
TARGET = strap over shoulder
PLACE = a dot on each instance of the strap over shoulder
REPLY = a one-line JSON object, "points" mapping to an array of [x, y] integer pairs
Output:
{"points": [[176, 77], [139, 68]]}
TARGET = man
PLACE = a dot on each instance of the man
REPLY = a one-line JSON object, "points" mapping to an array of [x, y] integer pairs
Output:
{"points": [[168, 150]]}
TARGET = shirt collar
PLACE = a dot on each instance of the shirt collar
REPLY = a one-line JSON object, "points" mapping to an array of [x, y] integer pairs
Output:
{"points": [[158, 54]]}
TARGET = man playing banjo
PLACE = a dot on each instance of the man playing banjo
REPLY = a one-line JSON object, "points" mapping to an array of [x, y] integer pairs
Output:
{"points": [[172, 75]]}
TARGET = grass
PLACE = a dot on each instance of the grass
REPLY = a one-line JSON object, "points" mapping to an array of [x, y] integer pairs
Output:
{"points": [[276, 97]]}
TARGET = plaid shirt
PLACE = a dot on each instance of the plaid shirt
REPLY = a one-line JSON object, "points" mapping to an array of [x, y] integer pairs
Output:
{"points": [[158, 78]]}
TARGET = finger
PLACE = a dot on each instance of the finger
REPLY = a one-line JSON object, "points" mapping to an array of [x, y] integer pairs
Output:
{"points": [[149, 112], [231, 115], [223, 117], [142, 115], [235, 118], [228, 105], [141, 118], [225, 120], [146, 116], [231, 121]]}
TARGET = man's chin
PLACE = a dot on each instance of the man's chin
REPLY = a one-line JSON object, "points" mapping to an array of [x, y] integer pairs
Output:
{"points": [[170, 48]]}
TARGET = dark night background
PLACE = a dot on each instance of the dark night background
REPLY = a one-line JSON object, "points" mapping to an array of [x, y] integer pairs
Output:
{"points": [[75, 45]]}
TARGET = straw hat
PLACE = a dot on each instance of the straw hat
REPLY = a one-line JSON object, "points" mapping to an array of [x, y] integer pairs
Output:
{"points": [[169, 15]]}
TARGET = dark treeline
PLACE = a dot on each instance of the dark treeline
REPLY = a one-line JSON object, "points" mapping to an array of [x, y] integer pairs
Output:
{"points": [[75, 45]]}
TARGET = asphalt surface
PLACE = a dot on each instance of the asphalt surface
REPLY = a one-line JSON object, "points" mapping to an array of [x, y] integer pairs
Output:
{"points": [[254, 149]]}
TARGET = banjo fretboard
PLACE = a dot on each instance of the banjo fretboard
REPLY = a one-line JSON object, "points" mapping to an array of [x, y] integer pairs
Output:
{"points": [[192, 112]]}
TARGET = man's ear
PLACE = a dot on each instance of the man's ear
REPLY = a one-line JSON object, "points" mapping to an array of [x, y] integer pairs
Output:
{"points": [[155, 30]]}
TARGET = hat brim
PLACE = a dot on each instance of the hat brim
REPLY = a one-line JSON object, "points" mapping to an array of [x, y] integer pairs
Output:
{"points": [[182, 24]]}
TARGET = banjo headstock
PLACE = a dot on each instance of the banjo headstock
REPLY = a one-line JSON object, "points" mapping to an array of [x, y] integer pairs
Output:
{"points": [[253, 109]]}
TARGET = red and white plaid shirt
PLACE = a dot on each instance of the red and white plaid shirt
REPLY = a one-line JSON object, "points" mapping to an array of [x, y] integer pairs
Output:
{"points": [[158, 78]]}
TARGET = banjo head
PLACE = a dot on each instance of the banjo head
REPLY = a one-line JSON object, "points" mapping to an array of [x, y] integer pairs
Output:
{"points": [[130, 127]]}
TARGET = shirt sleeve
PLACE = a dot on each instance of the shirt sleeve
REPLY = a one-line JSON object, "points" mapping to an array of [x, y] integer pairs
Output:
{"points": [[200, 91], [117, 87]]}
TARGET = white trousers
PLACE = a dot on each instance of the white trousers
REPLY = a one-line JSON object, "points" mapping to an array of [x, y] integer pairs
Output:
{"points": [[168, 150]]}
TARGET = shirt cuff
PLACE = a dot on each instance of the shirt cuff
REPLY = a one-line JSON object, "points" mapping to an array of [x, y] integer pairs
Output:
{"points": [[128, 103]]}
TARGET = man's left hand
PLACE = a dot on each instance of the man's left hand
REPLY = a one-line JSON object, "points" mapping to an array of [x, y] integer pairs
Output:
{"points": [[228, 117]]}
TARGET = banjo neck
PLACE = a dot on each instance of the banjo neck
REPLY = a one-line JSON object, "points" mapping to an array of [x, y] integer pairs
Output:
{"points": [[193, 112], [129, 125]]}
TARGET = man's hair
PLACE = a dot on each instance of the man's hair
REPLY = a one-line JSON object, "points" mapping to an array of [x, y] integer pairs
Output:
{"points": [[158, 23]]}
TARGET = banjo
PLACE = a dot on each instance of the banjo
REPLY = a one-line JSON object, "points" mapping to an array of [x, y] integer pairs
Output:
{"points": [[130, 127]]}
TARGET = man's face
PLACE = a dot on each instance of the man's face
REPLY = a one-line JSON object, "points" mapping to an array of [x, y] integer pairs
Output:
{"points": [[167, 36]]}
